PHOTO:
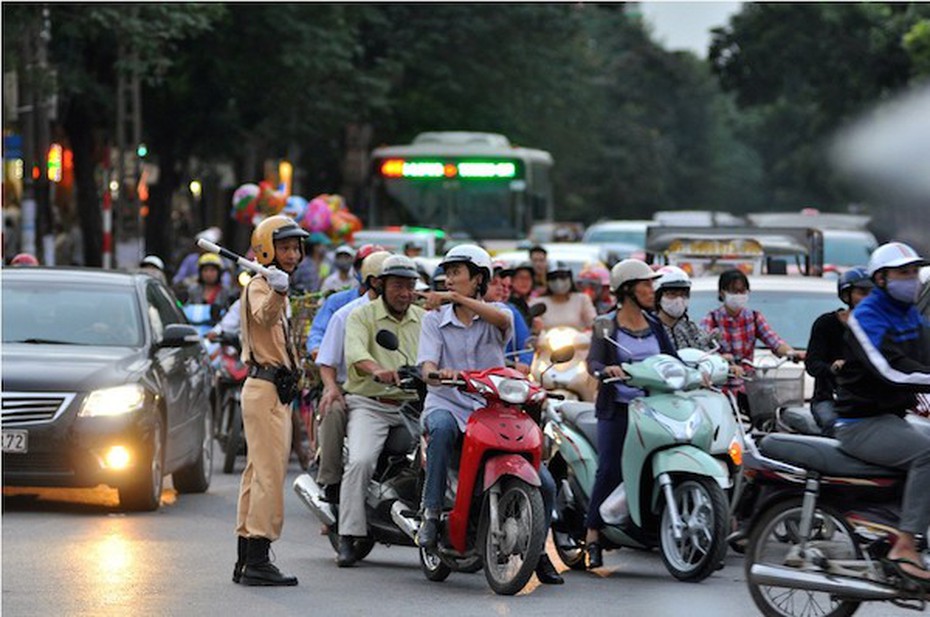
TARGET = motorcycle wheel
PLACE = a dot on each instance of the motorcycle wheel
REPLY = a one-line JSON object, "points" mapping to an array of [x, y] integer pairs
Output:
{"points": [[433, 567], [363, 546], [775, 535], [232, 417], [510, 560], [570, 550], [703, 507]]}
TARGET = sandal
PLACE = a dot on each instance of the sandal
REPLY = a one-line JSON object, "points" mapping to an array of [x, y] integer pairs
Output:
{"points": [[896, 565]]}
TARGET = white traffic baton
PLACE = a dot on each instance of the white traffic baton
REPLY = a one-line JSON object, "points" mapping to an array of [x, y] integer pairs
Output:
{"points": [[252, 266]]}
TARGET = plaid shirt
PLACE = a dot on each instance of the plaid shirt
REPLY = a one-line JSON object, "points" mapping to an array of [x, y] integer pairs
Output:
{"points": [[737, 336]]}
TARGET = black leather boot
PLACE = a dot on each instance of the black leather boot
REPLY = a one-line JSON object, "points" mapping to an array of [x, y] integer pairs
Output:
{"points": [[546, 572], [259, 571], [595, 556], [346, 556], [241, 553]]}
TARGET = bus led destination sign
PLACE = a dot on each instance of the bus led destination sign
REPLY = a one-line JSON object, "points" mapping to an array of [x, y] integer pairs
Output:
{"points": [[401, 168]]}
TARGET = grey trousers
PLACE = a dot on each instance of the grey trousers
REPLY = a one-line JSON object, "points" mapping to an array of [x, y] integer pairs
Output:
{"points": [[893, 442], [369, 425], [332, 436]]}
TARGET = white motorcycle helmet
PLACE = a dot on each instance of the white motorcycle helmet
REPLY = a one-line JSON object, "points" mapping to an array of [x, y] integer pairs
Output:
{"points": [[894, 255], [671, 277], [630, 270], [469, 254]]}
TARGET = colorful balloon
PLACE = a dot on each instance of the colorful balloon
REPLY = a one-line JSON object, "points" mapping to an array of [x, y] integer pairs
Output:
{"points": [[243, 195], [295, 207], [318, 216]]}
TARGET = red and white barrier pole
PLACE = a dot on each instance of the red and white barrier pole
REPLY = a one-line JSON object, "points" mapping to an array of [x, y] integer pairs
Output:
{"points": [[107, 214]]}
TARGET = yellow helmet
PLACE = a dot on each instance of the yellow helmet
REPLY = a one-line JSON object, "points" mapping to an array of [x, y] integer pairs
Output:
{"points": [[273, 228], [209, 259], [371, 265]]}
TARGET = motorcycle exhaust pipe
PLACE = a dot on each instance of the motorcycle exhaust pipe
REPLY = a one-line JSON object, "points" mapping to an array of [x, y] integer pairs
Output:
{"points": [[406, 524], [842, 586], [312, 495]]}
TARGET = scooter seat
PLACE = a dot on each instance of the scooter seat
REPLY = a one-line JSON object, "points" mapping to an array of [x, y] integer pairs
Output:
{"points": [[799, 420], [823, 455], [581, 416]]}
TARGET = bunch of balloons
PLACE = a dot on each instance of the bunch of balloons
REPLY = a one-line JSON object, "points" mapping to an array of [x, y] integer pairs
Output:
{"points": [[253, 202], [325, 214]]}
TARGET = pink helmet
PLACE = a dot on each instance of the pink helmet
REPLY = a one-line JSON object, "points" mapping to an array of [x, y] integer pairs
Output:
{"points": [[24, 259], [595, 273]]}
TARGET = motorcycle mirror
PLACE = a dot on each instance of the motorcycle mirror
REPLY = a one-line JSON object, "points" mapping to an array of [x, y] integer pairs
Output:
{"points": [[387, 339], [601, 329], [537, 310], [562, 354]]}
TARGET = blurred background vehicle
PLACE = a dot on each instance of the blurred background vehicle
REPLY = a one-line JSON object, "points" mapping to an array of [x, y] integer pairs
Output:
{"points": [[617, 239], [576, 255], [104, 382]]}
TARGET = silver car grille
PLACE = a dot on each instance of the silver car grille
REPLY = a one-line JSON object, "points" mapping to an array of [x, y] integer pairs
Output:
{"points": [[22, 408]]}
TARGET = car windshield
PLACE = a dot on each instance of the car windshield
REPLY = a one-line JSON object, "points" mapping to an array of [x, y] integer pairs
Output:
{"points": [[790, 313], [847, 250], [70, 315], [618, 236]]}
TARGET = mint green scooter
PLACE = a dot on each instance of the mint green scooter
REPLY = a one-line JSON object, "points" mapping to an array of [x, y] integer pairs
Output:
{"points": [[672, 496]]}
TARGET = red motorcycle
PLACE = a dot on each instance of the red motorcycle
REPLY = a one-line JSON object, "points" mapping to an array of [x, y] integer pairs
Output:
{"points": [[230, 374], [497, 519]]}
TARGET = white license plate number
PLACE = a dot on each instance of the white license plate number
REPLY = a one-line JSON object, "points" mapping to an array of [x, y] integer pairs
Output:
{"points": [[15, 441]]}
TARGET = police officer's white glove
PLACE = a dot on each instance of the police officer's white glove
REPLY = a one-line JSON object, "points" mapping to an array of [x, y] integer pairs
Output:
{"points": [[279, 280]]}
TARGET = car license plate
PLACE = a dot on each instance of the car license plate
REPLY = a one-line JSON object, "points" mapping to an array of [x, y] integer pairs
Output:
{"points": [[15, 441]]}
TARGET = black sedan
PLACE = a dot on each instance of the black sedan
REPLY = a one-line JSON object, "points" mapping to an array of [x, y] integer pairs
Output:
{"points": [[104, 382]]}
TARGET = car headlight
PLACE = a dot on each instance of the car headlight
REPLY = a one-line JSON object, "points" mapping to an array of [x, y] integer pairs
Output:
{"points": [[674, 374], [113, 401]]}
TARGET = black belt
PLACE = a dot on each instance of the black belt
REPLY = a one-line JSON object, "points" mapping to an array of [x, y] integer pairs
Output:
{"points": [[263, 372]]}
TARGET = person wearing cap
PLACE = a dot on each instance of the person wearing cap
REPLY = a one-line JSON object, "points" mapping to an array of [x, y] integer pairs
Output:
{"points": [[373, 395], [565, 305], [333, 373], [412, 249], [189, 267], [208, 289], [336, 301], [464, 333], [887, 355], [673, 294], [153, 266], [639, 336], [825, 347], [521, 290], [539, 257], [737, 328], [345, 276], [267, 394]]}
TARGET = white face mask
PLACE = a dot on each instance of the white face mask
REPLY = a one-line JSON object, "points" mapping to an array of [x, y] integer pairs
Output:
{"points": [[560, 286], [674, 307], [735, 302]]}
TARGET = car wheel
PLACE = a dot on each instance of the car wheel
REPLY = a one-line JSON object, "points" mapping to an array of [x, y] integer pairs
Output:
{"points": [[195, 478], [143, 494]]}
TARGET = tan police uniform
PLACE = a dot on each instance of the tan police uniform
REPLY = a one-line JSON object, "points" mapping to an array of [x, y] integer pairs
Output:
{"points": [[267, 421]]}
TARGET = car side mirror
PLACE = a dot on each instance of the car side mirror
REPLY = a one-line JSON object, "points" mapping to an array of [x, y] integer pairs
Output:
{"points": [[387, 339], [179, 335]]}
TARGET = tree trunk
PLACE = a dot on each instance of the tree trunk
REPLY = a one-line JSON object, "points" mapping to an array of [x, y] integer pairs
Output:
{"points": [[158, 224], [78, 124]]}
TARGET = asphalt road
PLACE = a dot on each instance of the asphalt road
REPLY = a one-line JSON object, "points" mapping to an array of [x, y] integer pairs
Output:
{"points": [[71, 553]]}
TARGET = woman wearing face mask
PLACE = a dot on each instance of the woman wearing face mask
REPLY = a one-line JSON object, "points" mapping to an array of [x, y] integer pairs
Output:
{"points": [[638, 335], [564, 305], [673, 292], [737, 328], [344, 276]]}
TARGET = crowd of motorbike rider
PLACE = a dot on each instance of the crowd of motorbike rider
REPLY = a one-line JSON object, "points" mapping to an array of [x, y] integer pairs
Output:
{"points": [[869, 361]]}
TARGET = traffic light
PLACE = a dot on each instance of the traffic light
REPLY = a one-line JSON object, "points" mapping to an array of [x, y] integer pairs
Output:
{"points": [[142, 151]]}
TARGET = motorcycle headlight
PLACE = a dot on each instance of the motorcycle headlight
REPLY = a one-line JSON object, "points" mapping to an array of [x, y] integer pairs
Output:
{"points": [[558, 338], [673, 373], [113, 401], [513, 391]]}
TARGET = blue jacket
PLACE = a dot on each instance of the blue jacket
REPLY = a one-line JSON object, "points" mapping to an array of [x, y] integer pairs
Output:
{"points": [[887, 353], [520, 333], [602, 354], [332, 304]]}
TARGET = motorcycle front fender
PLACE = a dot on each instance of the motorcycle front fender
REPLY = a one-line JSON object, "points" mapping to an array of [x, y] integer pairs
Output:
{"points": [[515, 465], [685, 459], [577, 453]]}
